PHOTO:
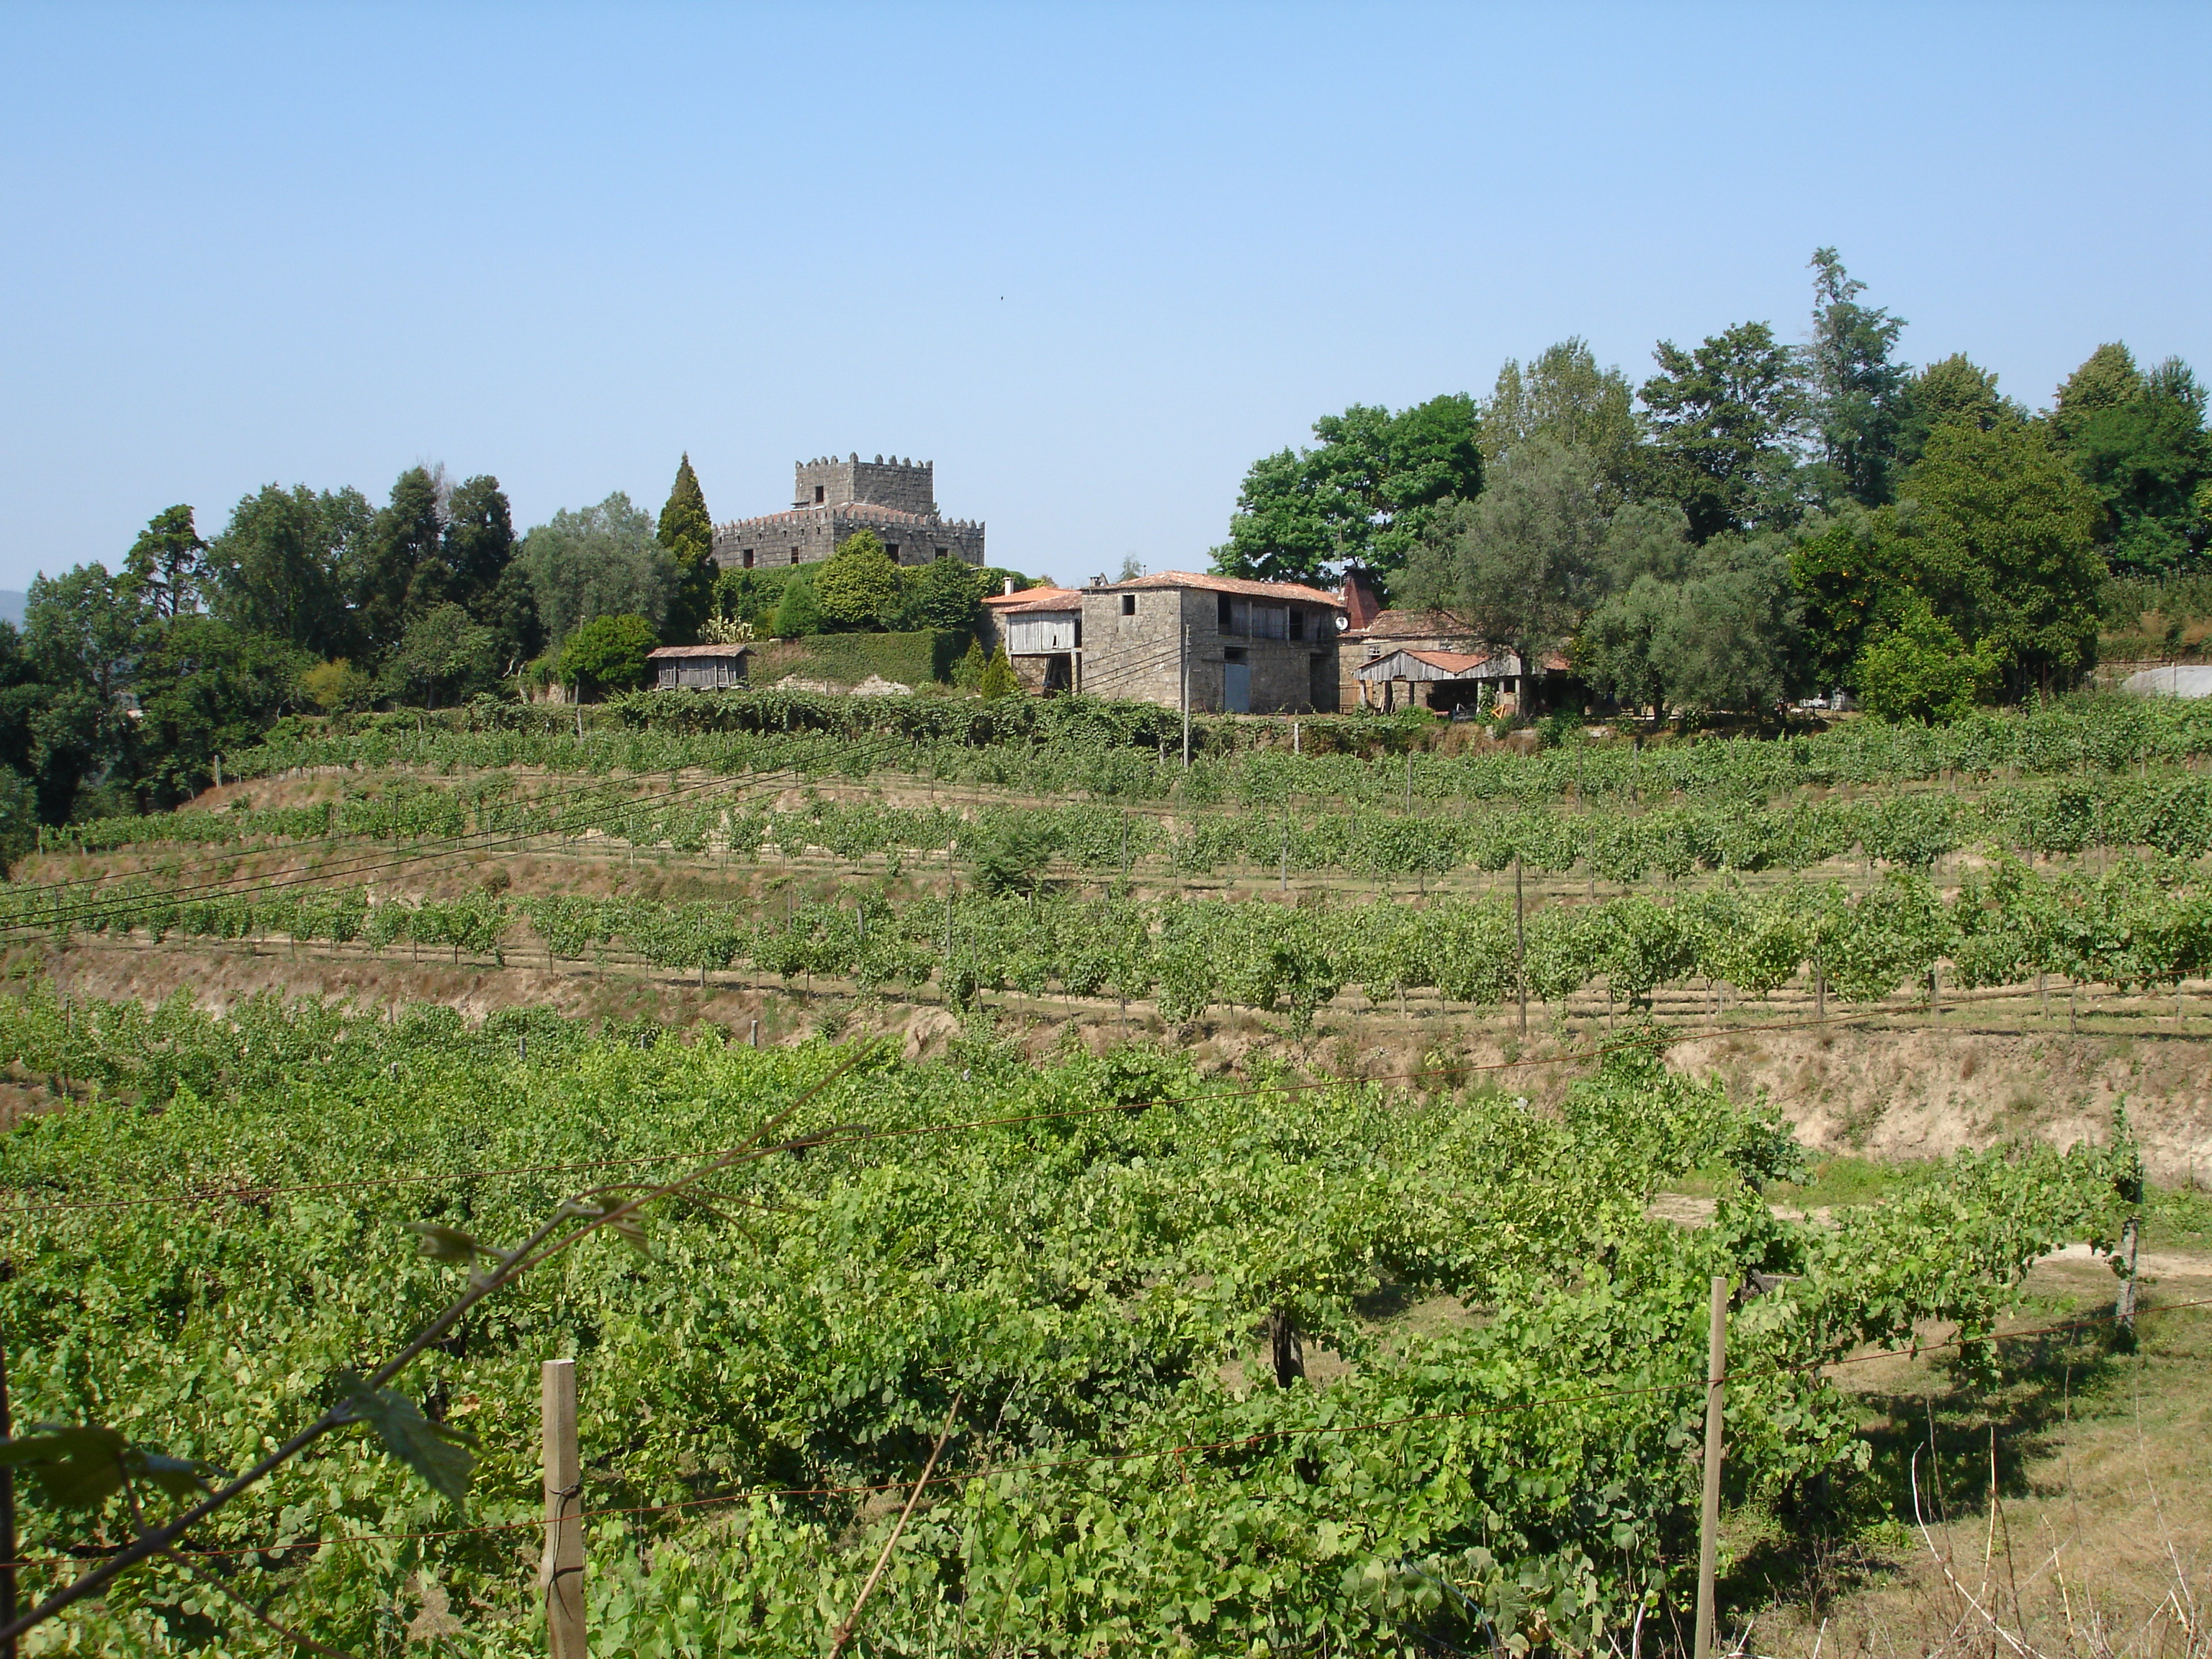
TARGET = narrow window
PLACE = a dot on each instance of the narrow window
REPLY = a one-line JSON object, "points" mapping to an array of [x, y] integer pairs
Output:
{"points": [[794, 556], [892, 549], [1297, 623], [1128, 605], [749, 558], [817, 494], [1221, 611]]}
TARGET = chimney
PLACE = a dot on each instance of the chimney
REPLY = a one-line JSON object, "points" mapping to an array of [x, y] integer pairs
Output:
{"points": [[1009, 587], [1362, 604]]}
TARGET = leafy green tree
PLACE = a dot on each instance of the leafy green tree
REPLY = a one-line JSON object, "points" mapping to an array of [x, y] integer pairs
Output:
{"points": [[1852, 575], [1364, 496], [479, 546], [2139, 441], [511, 612], [404, 567], [169, 561], [1565, 398], [687, 530], [1956, 389], [279, 566], [998, 677], [2003, 547], [444, 656], [1727, 419], [599, 560], [944, 594], [205, 688], [1921, 670], [83, 635], [858, 583], [608, 654], [1722, 634], [798, 612], [2107, 379], [1522, 562], [1859, 395]]}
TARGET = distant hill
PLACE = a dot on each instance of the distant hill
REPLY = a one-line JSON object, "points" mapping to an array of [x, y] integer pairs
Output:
{"points": [[11, 606]]}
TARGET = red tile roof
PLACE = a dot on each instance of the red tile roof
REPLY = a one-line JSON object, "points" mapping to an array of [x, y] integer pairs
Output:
{"points": [[1213, 583], [1413, 625], [1044, 598]]}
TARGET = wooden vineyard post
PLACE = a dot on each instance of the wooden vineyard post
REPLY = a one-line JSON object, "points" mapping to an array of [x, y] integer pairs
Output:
{"points": [[1820, 993], [561, 1575], [1709, 1523], [1520, 948], [7, 1495]]}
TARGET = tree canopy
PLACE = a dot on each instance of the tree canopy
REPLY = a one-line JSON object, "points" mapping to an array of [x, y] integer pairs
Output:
{"points": [[1364, 495], [600, 560]]}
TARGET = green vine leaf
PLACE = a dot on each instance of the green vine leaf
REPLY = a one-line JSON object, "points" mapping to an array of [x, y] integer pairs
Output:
{"points": [[442, 1455]]}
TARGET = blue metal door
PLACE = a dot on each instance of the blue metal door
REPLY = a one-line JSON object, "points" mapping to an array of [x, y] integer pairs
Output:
{"points": [[1237, 687]]}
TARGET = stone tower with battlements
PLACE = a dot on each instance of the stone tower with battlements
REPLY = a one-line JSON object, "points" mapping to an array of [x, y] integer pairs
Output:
{"points": [[831, 499]]}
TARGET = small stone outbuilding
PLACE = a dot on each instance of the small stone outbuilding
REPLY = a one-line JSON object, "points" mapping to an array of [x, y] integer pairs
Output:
{"points": [[1042, 629]]}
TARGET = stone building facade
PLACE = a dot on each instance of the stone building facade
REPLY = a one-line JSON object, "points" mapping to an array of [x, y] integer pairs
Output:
{"points": [[831, 499], [1248, 648]]}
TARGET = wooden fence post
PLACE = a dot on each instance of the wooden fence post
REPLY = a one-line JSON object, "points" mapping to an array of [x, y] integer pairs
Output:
{"points": [[1709, 1527], [561, 1575]]}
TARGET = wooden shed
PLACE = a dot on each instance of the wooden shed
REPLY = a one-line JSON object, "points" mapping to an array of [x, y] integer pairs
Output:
{"points": [[698, 667]]}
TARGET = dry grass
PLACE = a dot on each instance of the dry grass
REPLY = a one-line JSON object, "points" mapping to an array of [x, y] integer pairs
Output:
{"points": [[2064, 1508]]}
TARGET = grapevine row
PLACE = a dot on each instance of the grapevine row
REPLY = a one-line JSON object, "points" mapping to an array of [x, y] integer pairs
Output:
{"points": [[2142, 924], [2173, 814], [1132, 752]]}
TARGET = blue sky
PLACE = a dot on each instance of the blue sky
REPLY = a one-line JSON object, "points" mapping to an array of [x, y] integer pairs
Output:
{"points": [[1090, 260]]}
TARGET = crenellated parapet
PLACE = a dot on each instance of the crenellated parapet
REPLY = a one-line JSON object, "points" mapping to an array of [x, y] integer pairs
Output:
{"points": [[832, 497]]}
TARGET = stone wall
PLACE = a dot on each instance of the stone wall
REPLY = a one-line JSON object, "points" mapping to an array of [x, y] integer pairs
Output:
{"points": [[815, 534], [909, 486], [1139, 655]]}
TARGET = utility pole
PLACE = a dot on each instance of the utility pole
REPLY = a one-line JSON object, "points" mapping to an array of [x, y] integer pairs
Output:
{"points": [[1186, 697], [1709, 1525]]}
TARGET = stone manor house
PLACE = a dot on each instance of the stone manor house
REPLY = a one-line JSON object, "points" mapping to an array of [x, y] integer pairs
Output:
{"points": [[831, 499]]}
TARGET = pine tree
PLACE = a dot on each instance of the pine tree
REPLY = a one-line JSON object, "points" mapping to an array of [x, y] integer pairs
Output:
{"points": [[687, 531]]}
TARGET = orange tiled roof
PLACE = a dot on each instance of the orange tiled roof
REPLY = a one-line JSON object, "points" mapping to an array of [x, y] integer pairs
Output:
{"points": [[1044, 598], [1231, 585]]}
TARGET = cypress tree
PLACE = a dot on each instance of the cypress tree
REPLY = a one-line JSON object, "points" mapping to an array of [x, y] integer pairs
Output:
{"points": [[999, 676], [688, 533]]}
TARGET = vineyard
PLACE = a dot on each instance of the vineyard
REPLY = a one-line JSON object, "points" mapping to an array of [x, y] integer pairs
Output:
{"points": [[2141, 926], [1275, 1189], [1115, 1279], [1132, 752]]}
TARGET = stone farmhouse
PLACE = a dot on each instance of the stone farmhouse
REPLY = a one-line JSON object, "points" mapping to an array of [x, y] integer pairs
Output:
{"points": [[1241, 646], [831, 499]]}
